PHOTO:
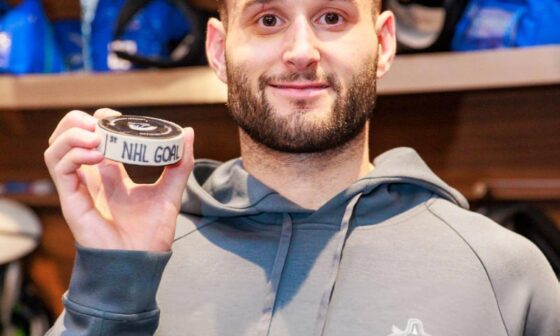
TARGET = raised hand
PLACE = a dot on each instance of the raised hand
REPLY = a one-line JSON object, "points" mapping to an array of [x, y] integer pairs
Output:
{"points": [[102, 205]]}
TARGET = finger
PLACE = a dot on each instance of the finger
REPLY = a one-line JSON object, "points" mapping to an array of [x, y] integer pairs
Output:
{"points": [[174, 177], [72, 119], [110, 171], [106, 112], [105, 176], [71, 138], [64, 173]]}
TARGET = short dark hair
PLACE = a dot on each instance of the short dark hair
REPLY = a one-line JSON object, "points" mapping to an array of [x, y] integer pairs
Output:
{"points": [[222, 9]]}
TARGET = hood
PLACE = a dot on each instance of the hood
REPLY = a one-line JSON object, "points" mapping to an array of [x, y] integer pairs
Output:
{"points": [[399, 182], [226, 190]]}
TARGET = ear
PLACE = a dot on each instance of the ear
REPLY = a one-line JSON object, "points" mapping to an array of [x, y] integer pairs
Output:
{"points": [[216, 48], [387, 42]]}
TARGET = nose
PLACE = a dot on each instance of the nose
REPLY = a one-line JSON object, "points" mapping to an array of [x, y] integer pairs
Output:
{"points": [[301, 52]]}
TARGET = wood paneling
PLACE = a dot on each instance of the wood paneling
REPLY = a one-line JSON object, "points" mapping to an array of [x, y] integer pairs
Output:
{"points": [[472, 136]]}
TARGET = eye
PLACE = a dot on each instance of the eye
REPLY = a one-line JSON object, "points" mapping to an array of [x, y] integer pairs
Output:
{"points": [[331, 18], [268, 20]]}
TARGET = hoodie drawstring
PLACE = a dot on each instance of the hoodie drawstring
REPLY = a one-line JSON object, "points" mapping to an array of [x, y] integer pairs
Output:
{"points": [[263, 326], [342, 235]]}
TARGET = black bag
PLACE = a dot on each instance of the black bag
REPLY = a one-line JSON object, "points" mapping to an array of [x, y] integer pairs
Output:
{"points": [[425, 25]]}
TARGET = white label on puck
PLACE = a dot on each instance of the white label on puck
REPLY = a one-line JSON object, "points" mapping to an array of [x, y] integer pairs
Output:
{"points": [[140, 140]]}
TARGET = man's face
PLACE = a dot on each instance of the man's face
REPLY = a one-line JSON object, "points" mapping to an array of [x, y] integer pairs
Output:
{"points": [[301, 73]]}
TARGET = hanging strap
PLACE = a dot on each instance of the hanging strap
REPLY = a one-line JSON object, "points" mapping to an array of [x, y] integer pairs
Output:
{"points": [[263, 326], [188, 52], [341, 237]]}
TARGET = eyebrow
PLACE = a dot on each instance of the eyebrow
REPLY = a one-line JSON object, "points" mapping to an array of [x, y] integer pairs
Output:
{"points": [[251, 3]]}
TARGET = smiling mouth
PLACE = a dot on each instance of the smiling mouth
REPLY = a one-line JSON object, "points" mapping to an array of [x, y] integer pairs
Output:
{"points": [[300, 86], [300, 91]]}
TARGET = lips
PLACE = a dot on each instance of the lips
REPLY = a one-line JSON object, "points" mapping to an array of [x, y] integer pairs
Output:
{"points": [[300, 91], [301, 86]]}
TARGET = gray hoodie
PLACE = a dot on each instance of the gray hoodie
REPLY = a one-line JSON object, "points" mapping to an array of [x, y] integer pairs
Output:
{"points": [[397, 253]]}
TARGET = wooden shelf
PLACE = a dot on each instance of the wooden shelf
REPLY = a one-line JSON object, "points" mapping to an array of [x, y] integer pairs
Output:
{"points": [[36, 201], [184, 86], [480, 70], [198, 85], [517, 189]]}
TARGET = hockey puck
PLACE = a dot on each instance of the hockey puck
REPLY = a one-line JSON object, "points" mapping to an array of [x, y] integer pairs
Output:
{"points": [[140, 140]]}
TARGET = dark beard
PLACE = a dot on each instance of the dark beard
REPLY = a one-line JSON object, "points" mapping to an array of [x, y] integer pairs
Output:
{"points": [[295, 134]]}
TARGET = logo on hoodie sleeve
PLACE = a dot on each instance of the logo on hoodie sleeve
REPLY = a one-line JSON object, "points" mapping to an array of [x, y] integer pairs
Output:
{"points": [[414, 327]]}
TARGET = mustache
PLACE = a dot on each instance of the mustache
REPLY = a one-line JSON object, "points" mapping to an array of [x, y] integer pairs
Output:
{"points": [[290, 77]]}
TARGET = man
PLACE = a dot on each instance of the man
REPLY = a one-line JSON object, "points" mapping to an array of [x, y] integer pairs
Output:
{"points": [[302, 235]]}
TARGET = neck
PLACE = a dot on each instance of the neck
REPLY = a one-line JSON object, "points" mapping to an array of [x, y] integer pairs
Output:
{"points": [[309, 180]]}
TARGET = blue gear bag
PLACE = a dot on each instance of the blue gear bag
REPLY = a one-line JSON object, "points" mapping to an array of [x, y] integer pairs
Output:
{"points": [[68, 33], [490, 24], [27, 43], [149, 33]]}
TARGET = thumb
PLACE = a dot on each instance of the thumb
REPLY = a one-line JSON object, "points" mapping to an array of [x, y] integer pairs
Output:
{"points": [[174, 177]]}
